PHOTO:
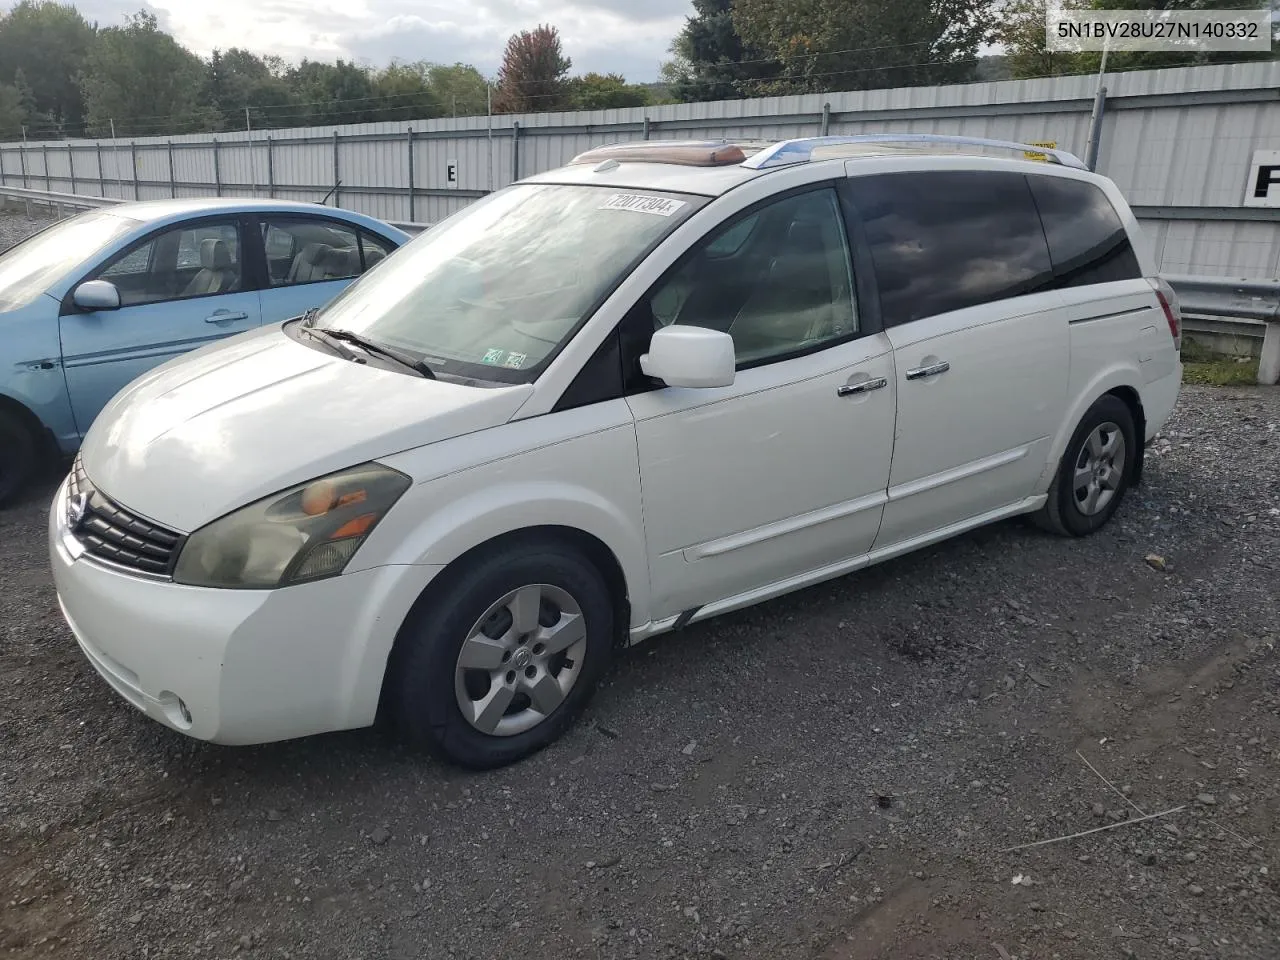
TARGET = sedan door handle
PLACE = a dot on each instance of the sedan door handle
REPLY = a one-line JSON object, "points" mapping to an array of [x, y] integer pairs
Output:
{"points": [[849, 389], [222, 316], [919, 373]]}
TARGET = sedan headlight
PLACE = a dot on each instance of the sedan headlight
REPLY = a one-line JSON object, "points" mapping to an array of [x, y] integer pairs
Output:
{"points": [[307, 532]]}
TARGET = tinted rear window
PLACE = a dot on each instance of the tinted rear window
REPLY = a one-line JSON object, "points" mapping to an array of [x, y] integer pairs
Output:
{"points": [[945, 240], [1087, 241]]}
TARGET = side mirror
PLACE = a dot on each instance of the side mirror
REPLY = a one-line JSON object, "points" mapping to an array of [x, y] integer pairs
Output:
{"points": [[682, 356], [97, 295]]}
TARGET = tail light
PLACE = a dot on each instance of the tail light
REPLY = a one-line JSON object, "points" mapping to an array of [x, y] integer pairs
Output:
{"points": [[1172, 312]]}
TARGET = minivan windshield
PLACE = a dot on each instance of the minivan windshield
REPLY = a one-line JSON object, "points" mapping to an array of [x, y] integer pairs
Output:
{"points": [[494, 291], [28, 268]]}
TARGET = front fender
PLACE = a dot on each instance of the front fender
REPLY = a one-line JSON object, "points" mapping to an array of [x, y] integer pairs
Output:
{"points": [[31, 369], [589, 482]]}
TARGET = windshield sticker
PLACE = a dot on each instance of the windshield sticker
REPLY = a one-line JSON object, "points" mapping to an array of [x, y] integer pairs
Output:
{"points": [[494, 356], [516, 360], [638, 203]]}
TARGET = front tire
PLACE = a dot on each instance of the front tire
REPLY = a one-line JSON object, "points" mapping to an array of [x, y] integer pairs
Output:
{"points": [[504, 656], [1095, 471], [17, 456]]}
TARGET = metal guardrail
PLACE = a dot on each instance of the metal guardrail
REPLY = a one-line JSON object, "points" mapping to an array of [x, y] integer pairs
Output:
{"points": [[79, 201]]}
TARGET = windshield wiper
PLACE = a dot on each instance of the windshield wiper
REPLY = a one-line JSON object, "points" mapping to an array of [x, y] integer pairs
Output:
{"points": [[330, 341], [389, 352]]}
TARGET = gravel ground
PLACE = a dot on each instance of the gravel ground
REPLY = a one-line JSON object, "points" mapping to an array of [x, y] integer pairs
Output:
{"points": [[15, 227], [837, 774]]}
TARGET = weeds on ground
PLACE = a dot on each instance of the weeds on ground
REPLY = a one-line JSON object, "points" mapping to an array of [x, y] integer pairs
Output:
{"points": [[1200, 365]]}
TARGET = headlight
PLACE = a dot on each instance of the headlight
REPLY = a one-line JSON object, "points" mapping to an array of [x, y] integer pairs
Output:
{"points": [[305, 533]]}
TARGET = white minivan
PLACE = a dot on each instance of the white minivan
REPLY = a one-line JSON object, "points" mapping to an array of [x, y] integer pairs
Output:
{"points": [[663, 382]]}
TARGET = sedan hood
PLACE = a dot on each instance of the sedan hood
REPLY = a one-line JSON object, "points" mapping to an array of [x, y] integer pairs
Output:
{"points": [[228, 424]]}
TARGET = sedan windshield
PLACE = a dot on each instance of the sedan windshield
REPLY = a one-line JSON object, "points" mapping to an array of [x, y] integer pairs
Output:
{"points": [[493, 292], [28, 268]]}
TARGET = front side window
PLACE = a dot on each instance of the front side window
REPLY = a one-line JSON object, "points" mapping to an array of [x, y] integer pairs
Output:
{"points": [[946, 240], [197, 260], [494, 291], [28, 268], [1087, 242], [778, 280]]}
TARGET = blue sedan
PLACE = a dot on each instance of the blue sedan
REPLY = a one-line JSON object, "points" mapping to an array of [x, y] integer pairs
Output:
{"points": [[93, 302]]}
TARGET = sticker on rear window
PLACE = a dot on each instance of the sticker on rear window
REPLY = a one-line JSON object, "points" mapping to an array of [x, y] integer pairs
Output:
{"points": [[639, 203], [494, 356], [515, 360]]}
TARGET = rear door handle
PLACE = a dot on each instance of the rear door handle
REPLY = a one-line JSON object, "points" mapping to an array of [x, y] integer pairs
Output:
{"points": [[919, 373], [864, 386], [222, 316]]}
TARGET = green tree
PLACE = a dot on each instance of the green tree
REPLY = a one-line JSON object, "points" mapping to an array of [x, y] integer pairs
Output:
{"points": [[710, 60], [595, 91], [865, 44], [144, 81], [461, 90], [534, 72], [341, 92], [48, 43], [1021, 31], [12, 116], [238, 79], [407, 90]]}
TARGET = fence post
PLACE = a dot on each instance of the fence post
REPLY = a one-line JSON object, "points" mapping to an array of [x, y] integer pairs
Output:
{"points": [[133, 163], [71, 166], [44, 155], [217, 171], [22, 159], [173, 183], [515, 150], [409, 141], [3, 179], [336, 179], [102, 181], [1095, 128], [826, 118], [271, 171], [646, 128]]}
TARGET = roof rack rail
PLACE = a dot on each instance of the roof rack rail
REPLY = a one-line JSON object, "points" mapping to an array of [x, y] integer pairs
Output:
{"points": [[806, 149]]}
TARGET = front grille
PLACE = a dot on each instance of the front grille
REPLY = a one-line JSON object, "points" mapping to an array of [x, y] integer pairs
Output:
{"points": [[112, 534]]}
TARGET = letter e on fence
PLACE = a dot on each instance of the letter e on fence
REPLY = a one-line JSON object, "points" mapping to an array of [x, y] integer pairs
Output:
{"points": [[1262, 188], [451, 174]]}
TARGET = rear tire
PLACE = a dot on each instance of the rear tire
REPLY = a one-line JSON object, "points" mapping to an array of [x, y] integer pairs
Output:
{"points": [[17, 457], [1095, 471], [537, 624]]}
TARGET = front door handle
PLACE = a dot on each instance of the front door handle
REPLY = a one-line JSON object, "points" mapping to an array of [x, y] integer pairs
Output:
{"points": [[222, 316], [863, 386], [919, 373]]}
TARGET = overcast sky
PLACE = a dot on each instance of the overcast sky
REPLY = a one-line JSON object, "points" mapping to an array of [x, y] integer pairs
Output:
{"points": [[623, 36]]}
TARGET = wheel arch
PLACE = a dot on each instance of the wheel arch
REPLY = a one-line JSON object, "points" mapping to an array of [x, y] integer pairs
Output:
{"points": [[590, 546], [43, 437], [1120, 381]]}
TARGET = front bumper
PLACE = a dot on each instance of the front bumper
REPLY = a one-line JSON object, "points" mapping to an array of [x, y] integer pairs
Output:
{"points": [[236, 666]]}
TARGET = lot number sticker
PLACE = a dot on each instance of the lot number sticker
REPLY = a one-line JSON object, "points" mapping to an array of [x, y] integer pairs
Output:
{"points": [[637, 203]]}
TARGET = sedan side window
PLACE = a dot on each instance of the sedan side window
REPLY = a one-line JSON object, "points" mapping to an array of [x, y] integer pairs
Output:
{"points": [[779, 281], [190, 261], [311, 250]]}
